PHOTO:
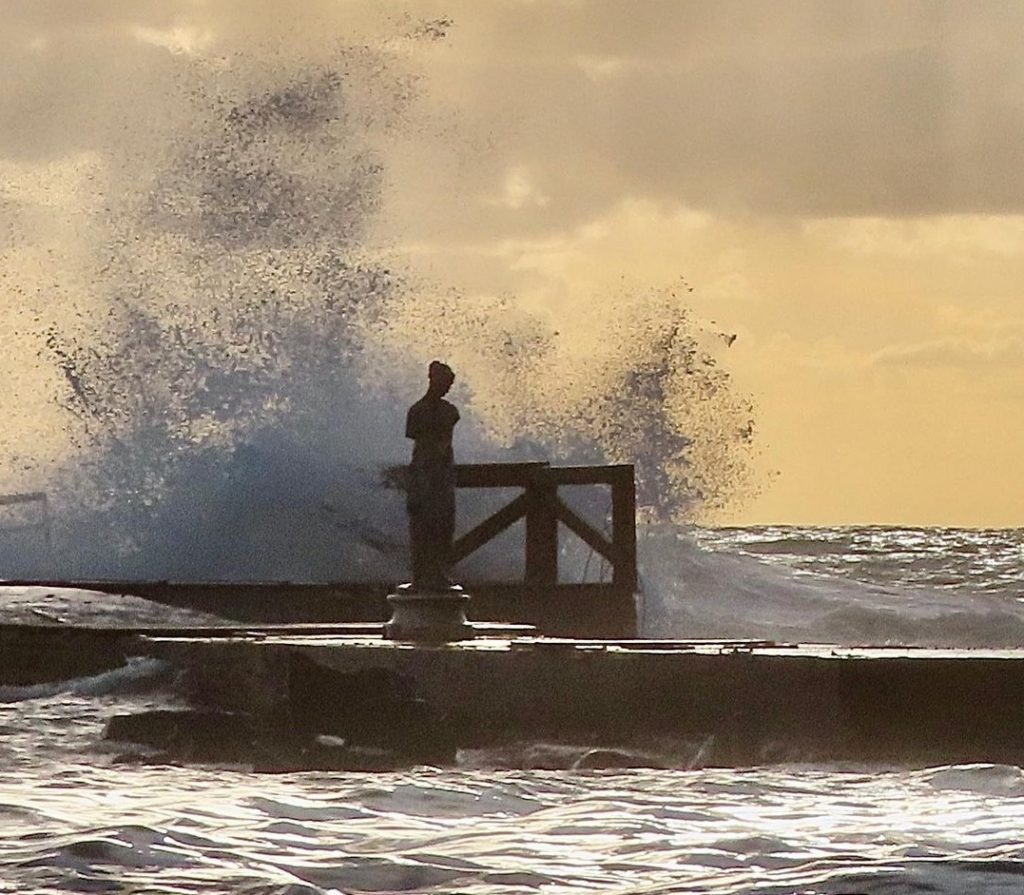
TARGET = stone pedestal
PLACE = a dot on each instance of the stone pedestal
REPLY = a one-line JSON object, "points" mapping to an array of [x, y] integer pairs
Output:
{"points": [[428, 616]]}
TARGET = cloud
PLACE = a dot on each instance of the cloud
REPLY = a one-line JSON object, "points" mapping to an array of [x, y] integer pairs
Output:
{"points": [[958, 353], [956, 235], [177, 40], [802, 109], [601, 68], [518, 190], [797, 108]]}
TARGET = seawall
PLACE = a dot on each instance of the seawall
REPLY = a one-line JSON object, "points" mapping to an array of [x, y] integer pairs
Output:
{"points": [[755, 702]]}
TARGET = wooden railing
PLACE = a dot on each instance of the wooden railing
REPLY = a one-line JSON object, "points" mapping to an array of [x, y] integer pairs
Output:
{"points": [[542, 509]]}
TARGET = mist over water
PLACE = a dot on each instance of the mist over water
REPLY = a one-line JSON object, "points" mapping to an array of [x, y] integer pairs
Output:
{"points": [[230, 352]]}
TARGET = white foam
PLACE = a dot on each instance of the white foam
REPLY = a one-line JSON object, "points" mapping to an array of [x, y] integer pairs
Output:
{"points": [[691, 591], [138, 672]]}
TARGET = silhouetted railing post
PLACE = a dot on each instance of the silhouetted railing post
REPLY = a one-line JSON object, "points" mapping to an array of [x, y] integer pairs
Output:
{"points": [[624, 573], [542, 530]]}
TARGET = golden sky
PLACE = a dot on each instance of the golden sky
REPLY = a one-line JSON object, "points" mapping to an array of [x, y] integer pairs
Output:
{"points": [[839, 181]]}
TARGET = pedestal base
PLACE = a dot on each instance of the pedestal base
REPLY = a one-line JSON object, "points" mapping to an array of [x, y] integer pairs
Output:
{"points": [[428, 616]]}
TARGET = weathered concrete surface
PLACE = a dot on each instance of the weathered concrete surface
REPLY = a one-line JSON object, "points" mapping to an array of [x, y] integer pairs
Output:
{"points": [[737, 703], [204, 736], [187, 735], [566, 610], [35, 654], [754, 702]]}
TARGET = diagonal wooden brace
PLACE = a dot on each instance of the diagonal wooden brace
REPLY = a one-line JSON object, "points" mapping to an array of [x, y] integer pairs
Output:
{"points": [[587, 533], [491, 527]]}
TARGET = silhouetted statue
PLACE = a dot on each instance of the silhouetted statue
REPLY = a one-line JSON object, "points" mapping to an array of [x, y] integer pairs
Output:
{"points": [[431, 487]]}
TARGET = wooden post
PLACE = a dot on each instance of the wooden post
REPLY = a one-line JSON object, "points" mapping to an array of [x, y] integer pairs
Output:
{"points": [[542, 530], [624, 574]]}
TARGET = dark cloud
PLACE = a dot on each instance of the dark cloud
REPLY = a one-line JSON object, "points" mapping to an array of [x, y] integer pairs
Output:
{"points": [[819, 109], [76, 75], [802, 108]]}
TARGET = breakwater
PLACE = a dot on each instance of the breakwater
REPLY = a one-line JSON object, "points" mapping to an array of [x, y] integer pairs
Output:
{"points": [[740, 703]]}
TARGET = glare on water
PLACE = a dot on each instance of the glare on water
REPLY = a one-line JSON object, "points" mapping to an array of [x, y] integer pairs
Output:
{"points": [[71, 819]]}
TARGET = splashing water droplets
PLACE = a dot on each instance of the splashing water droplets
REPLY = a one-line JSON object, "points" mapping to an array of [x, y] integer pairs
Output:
{"points": [[240, 358]]}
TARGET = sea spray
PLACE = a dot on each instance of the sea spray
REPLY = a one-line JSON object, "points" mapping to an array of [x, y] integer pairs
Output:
{"points": [[216, 397], [645, 387], [234, 367]]}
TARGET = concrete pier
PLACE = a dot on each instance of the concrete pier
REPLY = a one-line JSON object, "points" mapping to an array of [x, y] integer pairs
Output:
{"points": [[733, 702], [746, 702], [305, 661]]}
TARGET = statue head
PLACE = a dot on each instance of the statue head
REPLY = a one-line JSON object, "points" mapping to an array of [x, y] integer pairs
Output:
{"points": [[441, 377]]}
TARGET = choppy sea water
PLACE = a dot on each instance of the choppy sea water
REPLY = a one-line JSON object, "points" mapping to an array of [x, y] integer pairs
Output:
{"points": [[72, 820]]}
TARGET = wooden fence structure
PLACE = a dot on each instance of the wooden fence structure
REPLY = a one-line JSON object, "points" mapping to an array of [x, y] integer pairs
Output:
{"points": [[605, 609], [540, 505]]}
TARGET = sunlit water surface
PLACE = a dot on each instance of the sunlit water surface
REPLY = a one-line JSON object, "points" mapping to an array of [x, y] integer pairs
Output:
{"points": [[73, 820]]}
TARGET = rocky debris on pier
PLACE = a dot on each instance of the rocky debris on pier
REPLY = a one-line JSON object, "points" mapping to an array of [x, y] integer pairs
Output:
{"points": [[172, 736], [364, 721]]}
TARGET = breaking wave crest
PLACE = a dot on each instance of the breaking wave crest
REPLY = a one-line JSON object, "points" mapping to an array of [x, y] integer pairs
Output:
{"points": [[138, 675], [232, 353], [722, 584]]}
